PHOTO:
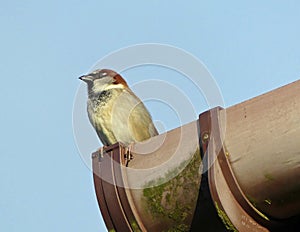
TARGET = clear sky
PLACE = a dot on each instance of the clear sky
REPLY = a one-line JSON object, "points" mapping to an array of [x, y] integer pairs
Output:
{"points": [[249, 48]]}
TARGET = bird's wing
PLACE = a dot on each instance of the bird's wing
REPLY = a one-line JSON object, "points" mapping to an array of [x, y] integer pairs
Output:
{"points": [[131, 121], [142, 125]]}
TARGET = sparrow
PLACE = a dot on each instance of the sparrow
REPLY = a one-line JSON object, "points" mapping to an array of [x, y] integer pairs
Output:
{"points": [[115, 112]]}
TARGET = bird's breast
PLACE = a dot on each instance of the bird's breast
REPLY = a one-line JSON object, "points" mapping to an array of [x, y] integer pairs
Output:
{"points": [[120, 116], [101, 99]]}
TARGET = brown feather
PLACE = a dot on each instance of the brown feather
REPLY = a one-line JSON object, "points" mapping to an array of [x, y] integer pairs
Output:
{"points": [[120, 80]]}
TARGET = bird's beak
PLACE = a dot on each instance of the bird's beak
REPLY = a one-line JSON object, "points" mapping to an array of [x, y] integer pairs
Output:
{"points": [[86, 78]]}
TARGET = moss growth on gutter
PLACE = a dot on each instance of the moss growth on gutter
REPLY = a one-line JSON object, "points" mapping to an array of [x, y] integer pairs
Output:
{"points": [[269, 177], [225, 219], [173, 202], [135, 227], [255, 204], [252, 200]]}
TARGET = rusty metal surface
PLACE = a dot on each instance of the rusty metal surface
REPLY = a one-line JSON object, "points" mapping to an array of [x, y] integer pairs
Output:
{"points": [[262, 139], [104, 190], [224, 179], [221, 191], [112, 198], [124, 209], [120, 177], [99, 193], [230, 201]]}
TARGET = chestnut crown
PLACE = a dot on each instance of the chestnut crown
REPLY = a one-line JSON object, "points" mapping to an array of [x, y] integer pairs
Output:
{"points": [[103, 79]]}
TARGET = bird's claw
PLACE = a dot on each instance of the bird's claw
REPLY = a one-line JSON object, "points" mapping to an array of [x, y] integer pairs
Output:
{"points": [[101, 153], [127, 154]]}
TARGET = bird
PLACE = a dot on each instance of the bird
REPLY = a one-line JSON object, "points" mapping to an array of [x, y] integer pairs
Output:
{"points": [[114, 111]]}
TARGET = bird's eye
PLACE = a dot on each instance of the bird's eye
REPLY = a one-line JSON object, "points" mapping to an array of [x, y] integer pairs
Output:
{"points": [[104, 74]]}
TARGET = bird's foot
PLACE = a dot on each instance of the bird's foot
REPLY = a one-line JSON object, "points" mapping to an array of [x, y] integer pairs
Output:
{"points": [[101, 152], [128, 154]]}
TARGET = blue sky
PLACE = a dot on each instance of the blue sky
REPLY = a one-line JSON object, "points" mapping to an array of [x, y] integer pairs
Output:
{"points": [[249, 48]]}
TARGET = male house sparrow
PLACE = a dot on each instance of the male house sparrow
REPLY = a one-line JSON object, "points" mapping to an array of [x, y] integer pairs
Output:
{"points": [[115, 112]]}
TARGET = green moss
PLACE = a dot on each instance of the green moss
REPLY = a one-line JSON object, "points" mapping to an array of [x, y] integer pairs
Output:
{"points": [[168, 198], [112, 230], [252, 200], [225, 219], [173, 202], [269, 177], [135, 227], [255, 204], [268, 201]]}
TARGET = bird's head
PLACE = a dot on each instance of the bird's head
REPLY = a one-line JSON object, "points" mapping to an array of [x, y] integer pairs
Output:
{"points": [[103, 79]]}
